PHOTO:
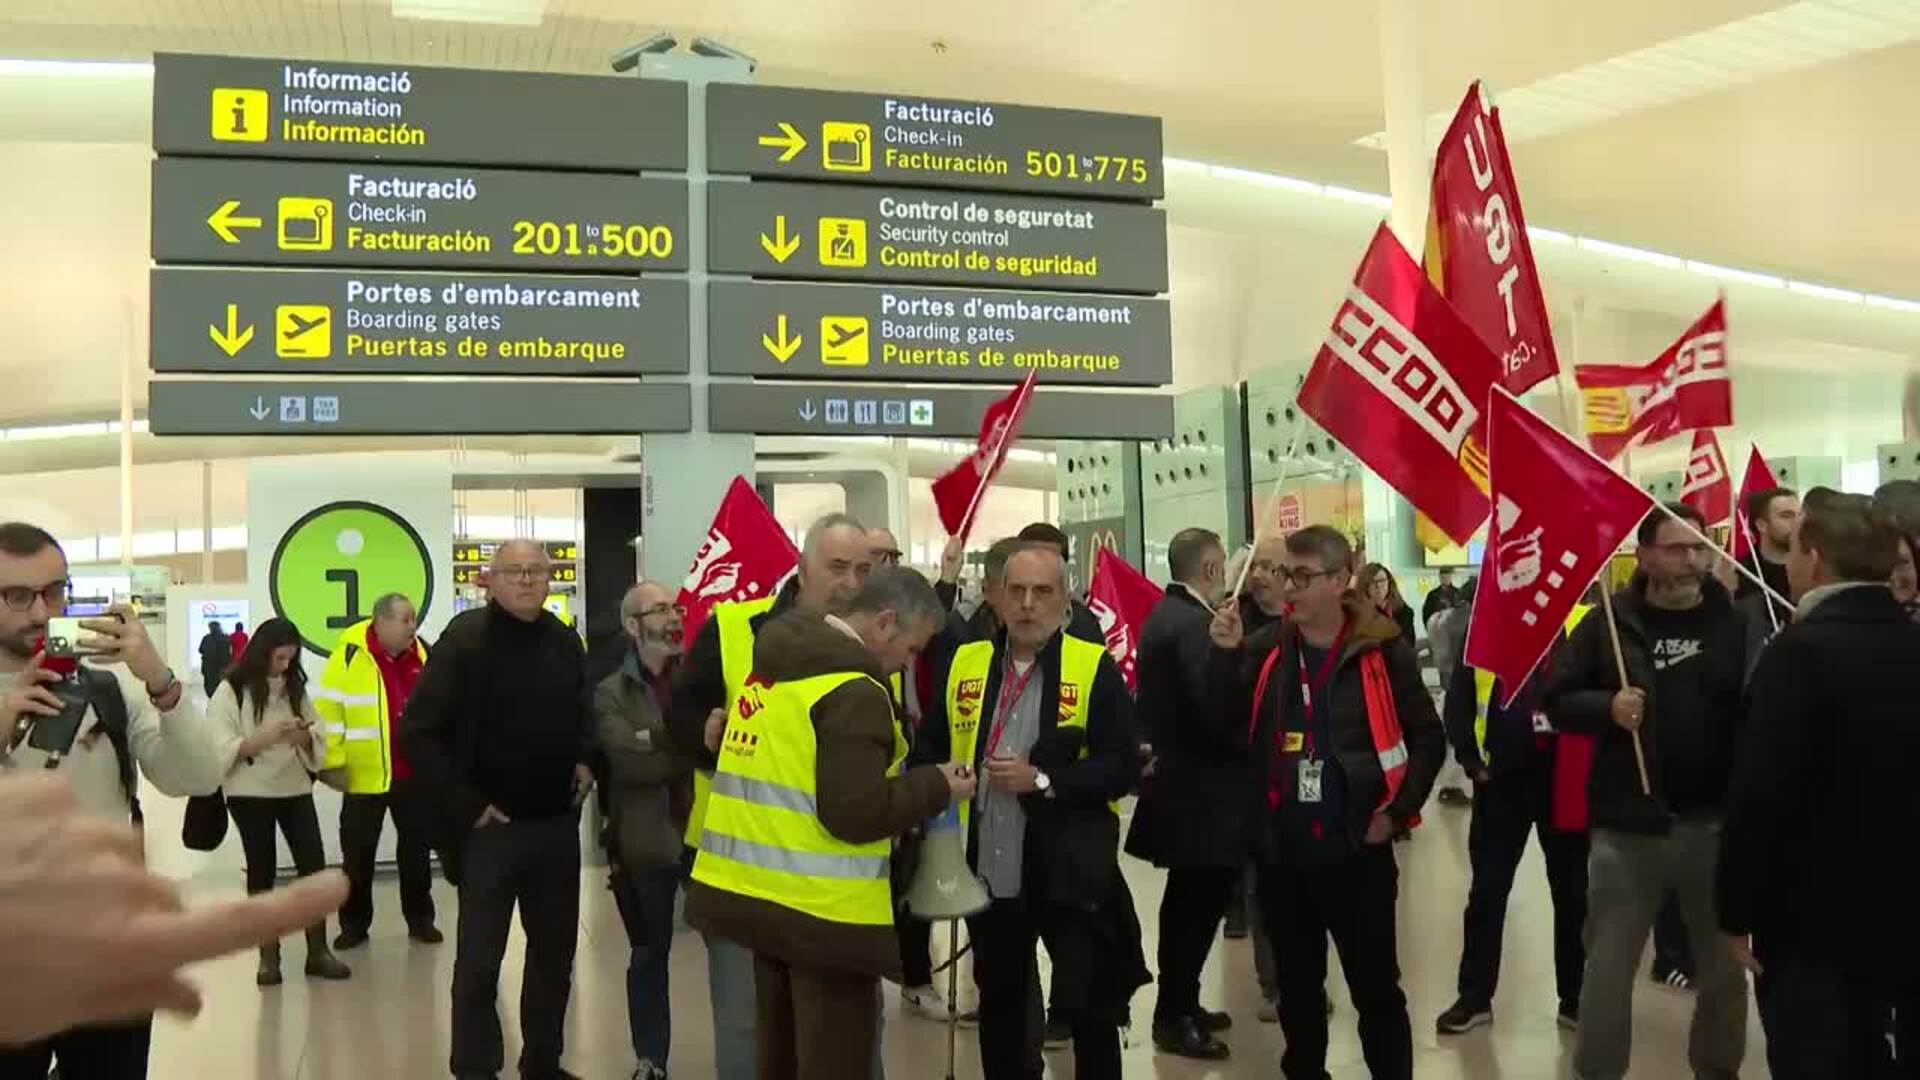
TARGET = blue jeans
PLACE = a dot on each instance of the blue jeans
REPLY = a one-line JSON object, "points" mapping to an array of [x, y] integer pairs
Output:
{"points": [[736, 1010], [645, 899]]}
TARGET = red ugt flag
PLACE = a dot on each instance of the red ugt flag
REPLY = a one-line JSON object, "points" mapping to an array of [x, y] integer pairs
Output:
{"points": [[1758, 478], [1478, 253], [958, 491], [746, 555], [1121, 598], [1708, 488], [1402, 382], [1686, 387], [1559, 513]]}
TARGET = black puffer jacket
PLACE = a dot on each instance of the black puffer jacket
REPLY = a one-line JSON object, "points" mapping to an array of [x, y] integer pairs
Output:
{"points": [[1689, 744]]}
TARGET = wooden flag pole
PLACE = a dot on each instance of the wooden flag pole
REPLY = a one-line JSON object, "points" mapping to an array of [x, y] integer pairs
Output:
{"points": [[1280, 482], [1577, 419]]}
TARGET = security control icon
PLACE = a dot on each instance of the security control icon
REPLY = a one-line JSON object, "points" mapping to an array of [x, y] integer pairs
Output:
{"points": [[843, 241]]}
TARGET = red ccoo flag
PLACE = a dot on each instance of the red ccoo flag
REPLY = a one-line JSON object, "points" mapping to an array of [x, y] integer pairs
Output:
{"points": [[1559, 515], [1758, 478], [746, 555], [958, 491], [1121, 598], [1477, 248], [1686, 387], [1707, 487], [1402, 383]]}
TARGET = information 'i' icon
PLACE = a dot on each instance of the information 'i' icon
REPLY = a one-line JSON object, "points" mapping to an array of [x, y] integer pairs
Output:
{"points": [[239, 115]]}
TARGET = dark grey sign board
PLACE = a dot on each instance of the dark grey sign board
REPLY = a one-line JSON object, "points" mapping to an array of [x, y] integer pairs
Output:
{"points": [[383, 216], [439, 407], [902, 334], [243, 107], [344, 322], [932, 412], [895, 139], [937, 237]]}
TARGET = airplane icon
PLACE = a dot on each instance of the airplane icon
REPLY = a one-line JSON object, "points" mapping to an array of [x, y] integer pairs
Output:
{"points": [[843, 340], [303, 331]]}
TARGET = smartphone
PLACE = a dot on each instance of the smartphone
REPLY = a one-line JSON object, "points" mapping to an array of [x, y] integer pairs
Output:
{"points": [[63, 637]]}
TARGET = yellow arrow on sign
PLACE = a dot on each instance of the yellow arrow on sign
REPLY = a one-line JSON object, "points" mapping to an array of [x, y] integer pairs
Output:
{"points": [[789, 139], [780, 245], [784, 347], [224, 221], [232, 339]]}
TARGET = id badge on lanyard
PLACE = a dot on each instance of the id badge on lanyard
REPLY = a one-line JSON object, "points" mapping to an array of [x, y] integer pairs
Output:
{"points": [[1309, 786]]}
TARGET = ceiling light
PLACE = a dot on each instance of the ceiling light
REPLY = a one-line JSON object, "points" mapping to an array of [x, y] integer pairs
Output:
{"points": [[1265, 179], [99, 69], [1825, 292], [1623, 251], [497, 12], [1364, 198], [1728, 273], [1551, 236], [1174, 164], [1893, 302]]}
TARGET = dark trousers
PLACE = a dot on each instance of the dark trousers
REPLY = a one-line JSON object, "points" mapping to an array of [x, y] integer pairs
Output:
{"points": [[1004, 939], [256, 820], [535, 865], [645, 900], [362, 818], [814, 1024], [1190, 914], [1671, 949], [1505, 810], [916, 948], [1824, 1025], [1353, 902], [94, 1053]]}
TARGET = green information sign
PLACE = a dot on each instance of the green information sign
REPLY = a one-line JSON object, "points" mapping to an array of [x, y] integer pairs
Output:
{"points": [[333, 563]]}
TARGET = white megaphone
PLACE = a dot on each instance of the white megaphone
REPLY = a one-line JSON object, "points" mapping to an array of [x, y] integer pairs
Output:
{"points": [[943, 886]]}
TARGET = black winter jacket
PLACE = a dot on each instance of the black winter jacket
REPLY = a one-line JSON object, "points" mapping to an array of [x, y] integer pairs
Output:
{"points": [[1232, 674], [1816, 855], [1192, 813], [1689, 745]]}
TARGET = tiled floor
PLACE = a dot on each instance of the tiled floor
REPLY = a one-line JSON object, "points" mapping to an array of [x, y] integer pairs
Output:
{"points": [[390, 1020]]}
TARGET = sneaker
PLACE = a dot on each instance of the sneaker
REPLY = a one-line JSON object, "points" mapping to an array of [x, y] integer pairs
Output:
{"points": [[1059, 1033], [350, 939], [1453, 796], [1185, 1038], [647, 1070], [924, 1001], [1673, 980], [1569, 1016], [1268, 1013], [426, 934], [1212, 1021], [1462, 1018]]}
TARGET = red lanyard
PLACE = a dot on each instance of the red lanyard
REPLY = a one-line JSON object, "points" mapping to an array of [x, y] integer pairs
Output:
{"points": [[1010, 691], [1327, 665]]}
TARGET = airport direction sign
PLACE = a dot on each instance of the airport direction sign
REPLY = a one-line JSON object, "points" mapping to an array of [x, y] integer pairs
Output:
{"points": [[384, 216], [771, 229], [432, 407], [779, 132], [902, 334], [245, 107], [929, 412], [344, 322]]}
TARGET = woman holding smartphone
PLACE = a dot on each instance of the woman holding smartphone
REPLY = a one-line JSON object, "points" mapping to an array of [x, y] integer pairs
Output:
{"points": [[271, 738]]}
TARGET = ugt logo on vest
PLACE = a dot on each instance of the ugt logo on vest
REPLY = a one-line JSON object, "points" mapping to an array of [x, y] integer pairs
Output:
{"points": [[966, 702], [1069, 700], [1519, 560]]}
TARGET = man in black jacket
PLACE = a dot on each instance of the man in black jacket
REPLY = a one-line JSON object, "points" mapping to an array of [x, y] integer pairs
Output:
{"points": [[1338, 771], [1685, 647], [1508, 750], [1047, 721], [1815, 859], [1190, 819], [1081, 621], [499, 731], [1769, 517]]}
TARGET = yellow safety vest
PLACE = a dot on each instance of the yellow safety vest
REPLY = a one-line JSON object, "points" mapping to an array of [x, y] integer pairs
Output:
{"points": [[351, 699], [763, 833], [1483, 685], [967, 691], [735, 621]]}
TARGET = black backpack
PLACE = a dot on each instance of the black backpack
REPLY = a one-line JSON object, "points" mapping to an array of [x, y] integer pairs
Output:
{"points": [[102, 690]]}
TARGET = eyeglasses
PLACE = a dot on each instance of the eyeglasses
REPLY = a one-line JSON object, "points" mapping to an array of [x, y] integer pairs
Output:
{"points": [[889, 557], [662, 609], [21, 597], [1300, 577], [525, 573]]}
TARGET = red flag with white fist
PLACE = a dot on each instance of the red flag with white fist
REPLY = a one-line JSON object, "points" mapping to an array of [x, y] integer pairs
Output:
{"points": [[1686, 387], [1121, 598], [1559, 513], [1477, 247], [746, 556], [1707, 487], [958, 491], [1402, 382]]}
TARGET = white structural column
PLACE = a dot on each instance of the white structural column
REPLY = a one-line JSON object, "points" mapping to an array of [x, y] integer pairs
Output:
{"points": [[1409, 159], [135, 359]]}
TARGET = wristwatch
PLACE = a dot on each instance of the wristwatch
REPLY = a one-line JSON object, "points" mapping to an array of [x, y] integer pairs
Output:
{"points": [[1043, 783], [167, 683]]}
